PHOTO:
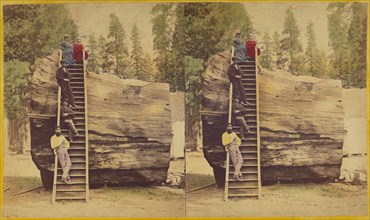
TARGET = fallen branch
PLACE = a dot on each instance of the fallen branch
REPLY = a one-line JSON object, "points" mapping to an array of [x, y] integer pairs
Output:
{"points": [[28, 190], [199, 188]]}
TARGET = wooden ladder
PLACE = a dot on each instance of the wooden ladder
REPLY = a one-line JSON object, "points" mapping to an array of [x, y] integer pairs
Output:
{"points": [[250, 186], [78, 151]]}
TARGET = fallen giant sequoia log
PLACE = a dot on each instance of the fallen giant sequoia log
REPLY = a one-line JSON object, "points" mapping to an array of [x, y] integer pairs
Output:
{"points": [[301, 124], [129, 124]]}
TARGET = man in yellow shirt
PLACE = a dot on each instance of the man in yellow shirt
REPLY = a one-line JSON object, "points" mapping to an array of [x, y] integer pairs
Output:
{"points": [[231, 141], [60, 146]]}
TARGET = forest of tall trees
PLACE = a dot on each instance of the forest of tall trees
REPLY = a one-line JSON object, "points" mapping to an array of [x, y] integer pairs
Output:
{"points": [[111, 54], [347, 29]]}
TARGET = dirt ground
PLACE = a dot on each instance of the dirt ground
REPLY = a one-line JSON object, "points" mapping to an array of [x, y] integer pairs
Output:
{"points": [[21, 174], [331, 199]]}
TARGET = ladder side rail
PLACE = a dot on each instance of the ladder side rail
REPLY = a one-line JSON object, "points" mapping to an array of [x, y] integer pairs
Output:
{"points": [[229, 121], [86, 130], [258, 125], [58, 124]]}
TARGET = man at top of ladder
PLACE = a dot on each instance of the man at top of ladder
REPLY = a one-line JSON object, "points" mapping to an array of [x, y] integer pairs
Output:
{"points": [[231, 142]]}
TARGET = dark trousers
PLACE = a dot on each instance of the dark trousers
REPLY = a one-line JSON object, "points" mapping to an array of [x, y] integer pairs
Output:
{"points": [[238, 90], [67, 93]]}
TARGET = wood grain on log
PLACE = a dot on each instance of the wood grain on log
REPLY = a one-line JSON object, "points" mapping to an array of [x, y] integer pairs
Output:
{"points": [[301, 122]]}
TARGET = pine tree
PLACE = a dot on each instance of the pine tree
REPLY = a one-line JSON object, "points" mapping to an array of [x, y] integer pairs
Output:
{"points": [[347, 27], [210, 27], [103, 60], [177, 62], [311, 49], [116, 53], [92, 64], [266, 55], [150, 67], [279, 56], [291, 42], [16, 78], [357, 46], [137, 55], [338, 23], [163, 16], [32, 31]]}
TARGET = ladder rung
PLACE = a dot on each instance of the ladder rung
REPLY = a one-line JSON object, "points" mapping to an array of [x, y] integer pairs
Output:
{"points": [[74, 175], [243, 180], [73, 183], [76, 148], [246, 66], [243, 187], [246, 165], [74, 168], [77, 142], [76, 155], [243, 195], [78, 83], [71, 190], [70, 198]]}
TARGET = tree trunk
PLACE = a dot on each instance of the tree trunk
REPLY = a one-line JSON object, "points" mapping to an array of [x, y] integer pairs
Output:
{"points": [[301, 123], [129, 125]]}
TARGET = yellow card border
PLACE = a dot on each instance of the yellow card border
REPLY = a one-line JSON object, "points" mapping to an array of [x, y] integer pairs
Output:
{"points": [[9, 2]]}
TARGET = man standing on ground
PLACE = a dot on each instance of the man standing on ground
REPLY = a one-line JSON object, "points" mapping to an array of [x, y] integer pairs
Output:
{"points": [[231, 141], [60, 146]]}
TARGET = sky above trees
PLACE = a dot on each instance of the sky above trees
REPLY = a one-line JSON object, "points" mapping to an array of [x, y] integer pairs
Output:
{"points": [[94, 18], [270, 15]]}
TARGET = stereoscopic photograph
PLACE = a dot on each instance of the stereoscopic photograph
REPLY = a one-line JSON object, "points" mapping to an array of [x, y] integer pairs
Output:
{"points": [[185, 109]]}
